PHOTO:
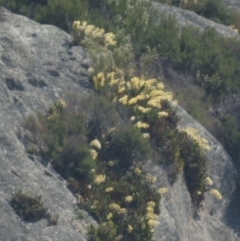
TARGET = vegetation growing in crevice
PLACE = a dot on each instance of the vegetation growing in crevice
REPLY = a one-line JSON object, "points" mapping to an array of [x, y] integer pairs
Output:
{"points": [[31, 209]]}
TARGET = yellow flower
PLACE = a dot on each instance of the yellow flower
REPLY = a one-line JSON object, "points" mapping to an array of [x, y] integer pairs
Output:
{"points": [[151, 178], [162, 190], [132, 118], [100, 179], [146, 135], [99, 80], [109, 189], [152, 223], [129, 229], [96, 143], [121, 90], [154, 103], [151, 204], [143, 110], [123, 100], [194, 134], [154, 93], [137, 171], [163, 114], [150, 82], [122, 211], [128, 199], [109, 216], [89, 29], [134, 83], [208, 181], [160, 86], [132, 101], [109, 39], [114, 206], [216, 194], [140, 125], [93, 154]]}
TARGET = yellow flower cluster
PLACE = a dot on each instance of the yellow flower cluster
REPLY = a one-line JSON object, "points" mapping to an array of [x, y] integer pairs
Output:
{"points": [[132, 118], [162, 190], [142, 125], [122, 211], [123, 100], [109, 189], [96, 143], [100, 179], [93, 154], [117, 208], [151, 178], [144, 110], [137, 171], [128, 198], [150, 215], [194, 134], [114, 206], [92, 32], [109, 216], [56, 108], [208, 181], [129, 229], [216, 194], [146, 135], [162, 114], [99, 80]]}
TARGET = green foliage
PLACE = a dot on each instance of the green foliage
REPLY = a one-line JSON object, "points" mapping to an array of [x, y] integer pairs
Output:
{"points": [[231, 136], [165, 37], [214, 10], [30, 209], [179, 153], [211, 9], [75, 161], [128, 145], [62, 13], [122, 211]]}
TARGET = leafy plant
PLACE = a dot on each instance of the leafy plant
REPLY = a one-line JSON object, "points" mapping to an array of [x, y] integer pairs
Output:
{"points": [[30, 209]]}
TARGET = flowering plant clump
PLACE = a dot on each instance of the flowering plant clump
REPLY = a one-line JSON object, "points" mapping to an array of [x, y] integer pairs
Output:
{"points": [[100, 179], [216, 194], [194, 134], [96, 143], [82, 32], [93, 153]]}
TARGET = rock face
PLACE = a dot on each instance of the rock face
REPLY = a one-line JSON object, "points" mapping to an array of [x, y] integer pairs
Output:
{"points": [[38, 66]]}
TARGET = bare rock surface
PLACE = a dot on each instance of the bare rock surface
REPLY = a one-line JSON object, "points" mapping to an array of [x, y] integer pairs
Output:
{"points": [[38, 65]]}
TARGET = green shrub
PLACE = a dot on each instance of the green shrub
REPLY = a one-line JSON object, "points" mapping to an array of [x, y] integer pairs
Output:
{"points": [[30, 209], [231, 136], [75, 161], [128, 145], [62, 13]]}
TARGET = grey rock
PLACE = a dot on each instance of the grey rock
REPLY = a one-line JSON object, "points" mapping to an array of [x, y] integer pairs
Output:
{"points": [[35, 72]]}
